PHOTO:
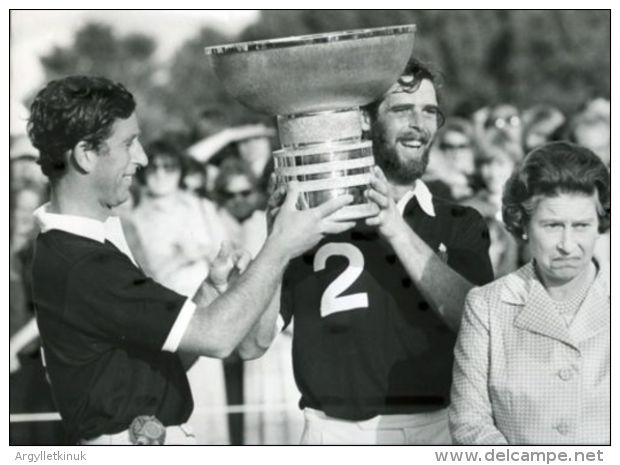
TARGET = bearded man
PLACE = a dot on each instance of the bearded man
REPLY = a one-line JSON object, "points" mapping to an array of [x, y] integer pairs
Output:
{"points": [[376, 309]]}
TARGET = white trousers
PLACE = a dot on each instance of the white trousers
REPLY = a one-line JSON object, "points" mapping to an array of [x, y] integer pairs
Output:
{"points": [[175, 435], [418, 428]]}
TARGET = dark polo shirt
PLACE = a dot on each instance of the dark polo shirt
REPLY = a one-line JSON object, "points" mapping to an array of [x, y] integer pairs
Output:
{"points": [[366, 342], [103, 325]]}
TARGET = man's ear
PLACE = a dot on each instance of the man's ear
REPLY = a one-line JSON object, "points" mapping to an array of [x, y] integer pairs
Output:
{"points": [[365, 120], [84, 156]]}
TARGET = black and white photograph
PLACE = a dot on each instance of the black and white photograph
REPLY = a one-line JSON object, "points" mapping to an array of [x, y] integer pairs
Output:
{"points": [[311, 227]]}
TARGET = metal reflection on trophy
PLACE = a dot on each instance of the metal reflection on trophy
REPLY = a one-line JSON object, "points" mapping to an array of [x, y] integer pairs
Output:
{"points": [[316, 84]]}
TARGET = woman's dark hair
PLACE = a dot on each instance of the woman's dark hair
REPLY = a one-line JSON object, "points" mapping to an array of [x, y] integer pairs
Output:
{"points": [[550, 170], [73, 109], [164, 148]]}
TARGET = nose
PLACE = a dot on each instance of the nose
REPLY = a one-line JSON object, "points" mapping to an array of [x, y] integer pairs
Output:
{"points": [[567, 243], [139, 157], [415, 118]]}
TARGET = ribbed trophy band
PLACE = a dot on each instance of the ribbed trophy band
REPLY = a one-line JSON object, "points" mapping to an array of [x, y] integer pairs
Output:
{"points": [[314, 128], [327, 171]]}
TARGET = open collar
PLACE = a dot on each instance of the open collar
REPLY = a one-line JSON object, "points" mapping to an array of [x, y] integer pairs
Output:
{"points": [[422, 194], [78, 225]]}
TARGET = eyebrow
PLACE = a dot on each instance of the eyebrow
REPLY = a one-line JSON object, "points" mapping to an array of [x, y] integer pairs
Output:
{"points": [[410, 104], [562, 220]]}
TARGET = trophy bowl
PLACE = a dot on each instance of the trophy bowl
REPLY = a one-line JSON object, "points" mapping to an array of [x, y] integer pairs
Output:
{"points": [[315, 72], [316, 84]]}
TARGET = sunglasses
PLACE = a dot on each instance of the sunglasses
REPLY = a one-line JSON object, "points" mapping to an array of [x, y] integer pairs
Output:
{"points": [[447, 147], [228, 195], [168, 167], [501, 123]]}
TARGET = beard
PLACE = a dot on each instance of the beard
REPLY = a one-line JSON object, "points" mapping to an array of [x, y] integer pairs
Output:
{"points": [[397, 169]]}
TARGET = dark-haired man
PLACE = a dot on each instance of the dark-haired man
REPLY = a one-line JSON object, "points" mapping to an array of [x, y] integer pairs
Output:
{"points": [[376, 309], [110, 334]]}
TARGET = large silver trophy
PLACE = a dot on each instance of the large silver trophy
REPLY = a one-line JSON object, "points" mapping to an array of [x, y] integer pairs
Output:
{"points": [[315, 84]]}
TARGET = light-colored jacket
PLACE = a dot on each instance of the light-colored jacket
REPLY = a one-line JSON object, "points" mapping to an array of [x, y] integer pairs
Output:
{"points": [[521, 376]]}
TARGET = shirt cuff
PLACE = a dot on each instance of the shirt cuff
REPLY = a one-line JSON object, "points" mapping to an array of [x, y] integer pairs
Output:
{"points": [[180, 325]]}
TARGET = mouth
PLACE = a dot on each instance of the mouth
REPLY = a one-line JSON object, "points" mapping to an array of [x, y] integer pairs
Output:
{"points": [[569, 262], [413, 140], [414, 144]]}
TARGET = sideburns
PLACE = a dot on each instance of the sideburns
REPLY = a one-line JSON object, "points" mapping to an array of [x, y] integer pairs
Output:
{"points": [[102, 149]]}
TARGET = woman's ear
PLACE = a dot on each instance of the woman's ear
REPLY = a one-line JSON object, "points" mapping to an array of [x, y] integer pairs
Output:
{"points": [[84, 156]]}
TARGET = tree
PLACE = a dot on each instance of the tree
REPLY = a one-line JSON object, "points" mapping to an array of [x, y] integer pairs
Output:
{"points": [[97, 50], [485, 56], [192, 86], [560, 57]]}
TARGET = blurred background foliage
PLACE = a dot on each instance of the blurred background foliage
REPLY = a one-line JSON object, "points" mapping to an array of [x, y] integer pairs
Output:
{"points": [[561, 57]]}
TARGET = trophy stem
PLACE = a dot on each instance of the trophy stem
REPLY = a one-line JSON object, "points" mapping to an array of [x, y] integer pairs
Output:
{"points": [[325, 153]]}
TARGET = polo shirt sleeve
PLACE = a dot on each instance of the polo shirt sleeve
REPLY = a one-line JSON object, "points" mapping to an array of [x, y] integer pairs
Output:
{"points": [[108, 297], [469, 253]]}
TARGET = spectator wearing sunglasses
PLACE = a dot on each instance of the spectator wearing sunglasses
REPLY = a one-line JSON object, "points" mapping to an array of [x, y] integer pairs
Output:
{"points": [[499, 124], [452, 166], [504, 126], [237, 195]]}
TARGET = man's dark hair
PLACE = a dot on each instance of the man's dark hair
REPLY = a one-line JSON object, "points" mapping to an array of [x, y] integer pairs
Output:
{"points": [[419, 71], [73, 109], [550, 170]]}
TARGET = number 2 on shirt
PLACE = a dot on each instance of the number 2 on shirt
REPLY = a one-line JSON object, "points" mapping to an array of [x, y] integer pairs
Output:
{"points": [[332, 301]]}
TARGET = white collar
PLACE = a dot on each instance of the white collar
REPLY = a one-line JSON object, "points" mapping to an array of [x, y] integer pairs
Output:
{"points": [[110, 229], [423, 195], [78, 225]]}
